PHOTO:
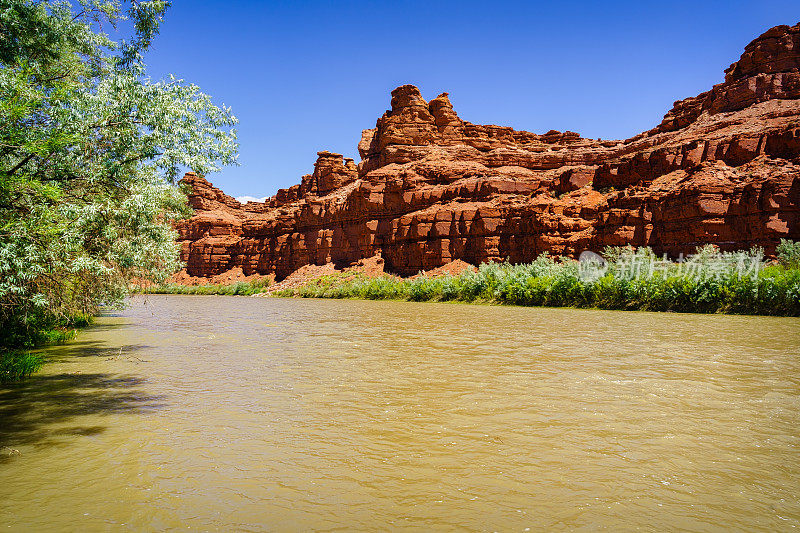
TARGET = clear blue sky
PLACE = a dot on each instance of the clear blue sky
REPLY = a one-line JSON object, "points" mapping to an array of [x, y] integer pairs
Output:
{"points": [[309, 76]]}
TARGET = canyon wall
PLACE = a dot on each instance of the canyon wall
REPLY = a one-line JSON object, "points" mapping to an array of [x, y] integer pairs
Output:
{"points": [[722, 167]]}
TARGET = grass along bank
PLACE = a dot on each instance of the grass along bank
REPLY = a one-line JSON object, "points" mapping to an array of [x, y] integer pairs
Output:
{"points": [[624, 279], [16, 358], [239, 288]]}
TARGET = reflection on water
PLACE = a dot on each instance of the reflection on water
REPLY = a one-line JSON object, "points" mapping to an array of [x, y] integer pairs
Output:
{"points": [[257, 414]]}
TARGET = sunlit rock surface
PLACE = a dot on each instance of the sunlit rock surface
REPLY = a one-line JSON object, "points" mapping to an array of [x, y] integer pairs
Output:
{"points": [[722, 167]]}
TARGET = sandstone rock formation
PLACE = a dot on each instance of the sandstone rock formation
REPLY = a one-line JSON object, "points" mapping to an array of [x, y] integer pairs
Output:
{"points": [[722, 167]]}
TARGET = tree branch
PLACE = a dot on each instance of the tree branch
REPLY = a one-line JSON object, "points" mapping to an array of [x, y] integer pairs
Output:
{"points": [[20, 164]]}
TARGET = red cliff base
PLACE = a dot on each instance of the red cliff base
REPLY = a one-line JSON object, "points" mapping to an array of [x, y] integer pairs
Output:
{"points": [[723, 167]]}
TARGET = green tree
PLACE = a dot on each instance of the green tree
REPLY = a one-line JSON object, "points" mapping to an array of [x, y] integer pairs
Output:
{"points": [[90, 151]]}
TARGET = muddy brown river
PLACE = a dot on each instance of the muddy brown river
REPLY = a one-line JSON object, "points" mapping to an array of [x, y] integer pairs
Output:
{"points": [[249, 414]]}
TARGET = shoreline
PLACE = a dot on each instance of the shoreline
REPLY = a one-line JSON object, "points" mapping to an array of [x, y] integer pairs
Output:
{"points": [[19, 362], [711, 283], [472, 302]]}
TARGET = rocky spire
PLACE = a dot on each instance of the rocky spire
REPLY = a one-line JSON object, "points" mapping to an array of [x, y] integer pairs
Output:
{"points": [[445, 117]]}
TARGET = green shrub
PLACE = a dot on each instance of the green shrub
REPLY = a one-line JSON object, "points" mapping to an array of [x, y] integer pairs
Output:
{"points": [[710, 281], [423, 289], [788, 253], [284, 293], [39, 329], [239, 288]]}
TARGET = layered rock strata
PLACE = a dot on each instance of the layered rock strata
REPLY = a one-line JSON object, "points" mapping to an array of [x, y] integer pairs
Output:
{"points": [[722, 167]]}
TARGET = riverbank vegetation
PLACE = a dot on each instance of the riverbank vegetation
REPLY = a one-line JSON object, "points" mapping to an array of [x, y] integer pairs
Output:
{"points": [[16, 359], [90, 151], [625, 278], [239, 288]]}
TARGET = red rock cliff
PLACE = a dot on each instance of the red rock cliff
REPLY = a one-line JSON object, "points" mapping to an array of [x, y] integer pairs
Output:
{"points": [[722, 167]]}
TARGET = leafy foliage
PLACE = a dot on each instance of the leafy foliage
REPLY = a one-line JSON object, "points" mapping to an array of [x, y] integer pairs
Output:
{"points": [[634, 279], [789, 253], [90, 149], [16, 365], [240, 288]]}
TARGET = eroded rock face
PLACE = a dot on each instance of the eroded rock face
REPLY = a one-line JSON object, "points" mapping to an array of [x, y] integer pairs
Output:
{"points": [[723, 167]]}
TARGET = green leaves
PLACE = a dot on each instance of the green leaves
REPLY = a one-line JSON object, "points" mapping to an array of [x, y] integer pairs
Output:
{"points": [[90, 149], [789, 253], [711, 281]]}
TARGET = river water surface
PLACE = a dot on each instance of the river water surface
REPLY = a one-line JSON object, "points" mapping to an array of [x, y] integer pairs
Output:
{"points": [[251, 414]]}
